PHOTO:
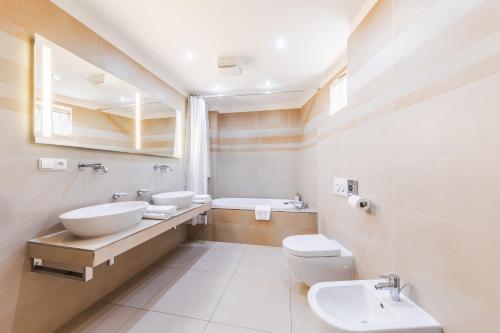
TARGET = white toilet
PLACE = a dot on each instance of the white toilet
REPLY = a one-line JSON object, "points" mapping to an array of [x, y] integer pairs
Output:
{"points": [[315, 258]]}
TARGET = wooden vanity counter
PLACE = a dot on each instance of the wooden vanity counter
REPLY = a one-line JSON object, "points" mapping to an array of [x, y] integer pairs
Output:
{"points": [[64, 254]]}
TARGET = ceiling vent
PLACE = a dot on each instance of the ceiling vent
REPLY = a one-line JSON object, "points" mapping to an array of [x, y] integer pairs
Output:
{"points": [[229, 66], [104, 81]]}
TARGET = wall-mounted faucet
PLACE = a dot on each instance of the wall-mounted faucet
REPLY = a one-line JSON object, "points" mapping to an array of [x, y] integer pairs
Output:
{"points": [[162, 167], [393, 284], [96, 166], [118, 195], [142, 191]]}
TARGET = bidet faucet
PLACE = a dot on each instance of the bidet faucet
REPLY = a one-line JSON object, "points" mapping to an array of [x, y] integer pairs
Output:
{"points": [[96, 166], [393, 284]]}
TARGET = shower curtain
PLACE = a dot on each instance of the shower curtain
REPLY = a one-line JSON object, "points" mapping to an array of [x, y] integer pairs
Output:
{"points": [[198, 164]]}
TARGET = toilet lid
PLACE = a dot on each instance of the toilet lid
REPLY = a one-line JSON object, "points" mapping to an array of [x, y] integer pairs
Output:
{"points": [[311, 246]]}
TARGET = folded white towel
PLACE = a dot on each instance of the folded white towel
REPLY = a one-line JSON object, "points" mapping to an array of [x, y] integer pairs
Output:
{"points": [[165, 209], [156, 216], [201, 201], [200, 219], [262, 212], [202, 197]]}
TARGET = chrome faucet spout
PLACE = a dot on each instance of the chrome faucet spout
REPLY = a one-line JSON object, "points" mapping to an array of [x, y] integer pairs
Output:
{"points": [[393, 285], [163, 168], [96, 166]]}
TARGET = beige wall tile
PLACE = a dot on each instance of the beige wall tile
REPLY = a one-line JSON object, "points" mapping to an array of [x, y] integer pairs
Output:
{"points": [[48, 194], [422, 139]]}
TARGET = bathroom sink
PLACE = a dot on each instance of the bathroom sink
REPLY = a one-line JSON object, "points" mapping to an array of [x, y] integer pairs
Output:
{"points": [[181, 199], [355, 306], [100, 220]]}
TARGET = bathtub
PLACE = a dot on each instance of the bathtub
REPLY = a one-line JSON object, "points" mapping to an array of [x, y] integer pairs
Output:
{"points": [[233, 220], [277, 205]]}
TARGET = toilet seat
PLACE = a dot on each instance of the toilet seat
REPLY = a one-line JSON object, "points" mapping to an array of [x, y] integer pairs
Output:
{"points": [[311, 246]]}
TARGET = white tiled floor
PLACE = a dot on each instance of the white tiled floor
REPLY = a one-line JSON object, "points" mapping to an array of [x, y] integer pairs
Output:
{"points": [[209, 287]]}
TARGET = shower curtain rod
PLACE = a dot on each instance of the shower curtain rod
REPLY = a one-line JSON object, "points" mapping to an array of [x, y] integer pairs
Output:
{"points": [[258, 93]]}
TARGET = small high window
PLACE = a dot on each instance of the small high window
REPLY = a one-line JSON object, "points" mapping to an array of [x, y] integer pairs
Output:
{"points": [[338, 94]]}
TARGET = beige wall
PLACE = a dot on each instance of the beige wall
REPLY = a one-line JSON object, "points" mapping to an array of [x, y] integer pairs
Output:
{"points": [[421, 133], [31, 200]]}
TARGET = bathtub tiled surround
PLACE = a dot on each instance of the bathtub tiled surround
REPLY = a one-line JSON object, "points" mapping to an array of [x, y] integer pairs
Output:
{"points": [[240, 226], [207, 287]]}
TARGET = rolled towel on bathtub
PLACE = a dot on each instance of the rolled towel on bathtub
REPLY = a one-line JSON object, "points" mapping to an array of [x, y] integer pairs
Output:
{"points": [[262, 212]]}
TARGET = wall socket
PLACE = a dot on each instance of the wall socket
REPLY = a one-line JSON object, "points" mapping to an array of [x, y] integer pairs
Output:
{"points": [[52, 164], [345, 187]]}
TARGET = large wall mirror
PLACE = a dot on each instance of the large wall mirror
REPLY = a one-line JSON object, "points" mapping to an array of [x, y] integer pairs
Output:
{"points": [[80, 105]]}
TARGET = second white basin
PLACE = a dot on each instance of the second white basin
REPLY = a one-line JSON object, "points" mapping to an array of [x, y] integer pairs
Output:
{"points": [[355, 306], [181, 199], [105, 219]]}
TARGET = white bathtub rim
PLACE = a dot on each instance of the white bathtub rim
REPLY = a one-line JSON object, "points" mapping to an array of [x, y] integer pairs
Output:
{"points": [[217, 205]]}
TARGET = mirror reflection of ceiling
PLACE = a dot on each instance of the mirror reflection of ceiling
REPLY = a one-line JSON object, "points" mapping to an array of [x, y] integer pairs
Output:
{"points": [[77, 82]]}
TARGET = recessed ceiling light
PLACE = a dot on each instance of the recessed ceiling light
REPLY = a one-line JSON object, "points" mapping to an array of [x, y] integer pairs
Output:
{"points": [[280, 43], [123, 98], [56, 77], [189, 55], [268, 83]]}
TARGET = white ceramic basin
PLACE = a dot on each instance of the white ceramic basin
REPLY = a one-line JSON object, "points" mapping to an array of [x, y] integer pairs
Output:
{"points": [[100, 220], [181, 199], [355, 306]]}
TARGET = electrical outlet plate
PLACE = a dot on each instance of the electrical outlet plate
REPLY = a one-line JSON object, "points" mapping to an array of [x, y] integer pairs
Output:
{"points": [[345, 187], [52, 164]]}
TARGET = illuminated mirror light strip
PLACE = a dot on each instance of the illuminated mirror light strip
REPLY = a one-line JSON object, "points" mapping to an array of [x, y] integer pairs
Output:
{"points": [[46, 91], [137, 121], [179, 125]]}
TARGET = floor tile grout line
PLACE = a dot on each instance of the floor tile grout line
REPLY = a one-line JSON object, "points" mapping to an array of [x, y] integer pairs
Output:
{"points": [[182, 270], [155, 311], [229, 282], [245, 327], [261, 277]]}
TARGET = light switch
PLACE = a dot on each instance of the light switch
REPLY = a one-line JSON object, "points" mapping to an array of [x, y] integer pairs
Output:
{"points": [[340, 186], [52, 164]]}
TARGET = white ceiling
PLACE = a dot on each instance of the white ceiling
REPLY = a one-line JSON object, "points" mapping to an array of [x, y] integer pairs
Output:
{"points": [[163, 34]]}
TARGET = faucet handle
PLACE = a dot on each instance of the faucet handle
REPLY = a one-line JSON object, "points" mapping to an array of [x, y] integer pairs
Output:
{"points": [[392, 278]]}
